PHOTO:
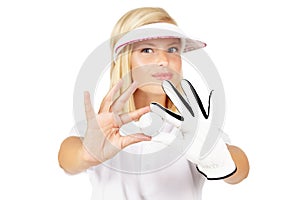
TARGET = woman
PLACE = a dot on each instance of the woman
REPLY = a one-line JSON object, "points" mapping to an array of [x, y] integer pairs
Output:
{"points": [[103, 141]]}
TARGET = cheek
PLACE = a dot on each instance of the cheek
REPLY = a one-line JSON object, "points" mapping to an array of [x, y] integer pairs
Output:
{"points": [[137, 60], [139, 74], [176, 65], [134, 61]]}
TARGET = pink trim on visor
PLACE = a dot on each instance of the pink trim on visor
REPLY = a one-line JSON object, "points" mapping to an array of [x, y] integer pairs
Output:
{"points": [[157, 31]]}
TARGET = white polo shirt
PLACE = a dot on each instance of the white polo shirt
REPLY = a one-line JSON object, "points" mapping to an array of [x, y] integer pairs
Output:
{"points": [[179, 180]]}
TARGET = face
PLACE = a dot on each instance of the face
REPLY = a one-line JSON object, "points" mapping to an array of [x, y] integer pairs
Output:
{"points": [[155, 60]]}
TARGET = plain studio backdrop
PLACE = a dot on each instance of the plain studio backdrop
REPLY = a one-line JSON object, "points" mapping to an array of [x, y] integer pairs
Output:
{"points": [[254, 45]]}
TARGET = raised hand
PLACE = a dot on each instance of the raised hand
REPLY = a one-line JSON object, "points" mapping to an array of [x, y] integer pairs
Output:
{"points": [[102, 138], [207, 151]]}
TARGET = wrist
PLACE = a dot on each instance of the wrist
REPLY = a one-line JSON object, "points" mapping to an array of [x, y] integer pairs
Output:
{"points": [[87, 157], [218, 164]]}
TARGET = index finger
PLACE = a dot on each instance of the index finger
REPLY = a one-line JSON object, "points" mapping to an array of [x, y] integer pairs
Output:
{"points": [[134, 115], [181, 104], [194, 98], [108, 99], [124, 97]]}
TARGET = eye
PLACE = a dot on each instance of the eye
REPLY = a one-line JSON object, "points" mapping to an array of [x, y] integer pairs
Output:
{"points": [[147, 50], [173, 50]]}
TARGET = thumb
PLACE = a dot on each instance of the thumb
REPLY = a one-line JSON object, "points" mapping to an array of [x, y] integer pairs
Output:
{"points": [[134, 138]]}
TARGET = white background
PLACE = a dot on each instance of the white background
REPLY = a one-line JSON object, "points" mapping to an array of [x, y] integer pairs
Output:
{"points": [[254, 44]]}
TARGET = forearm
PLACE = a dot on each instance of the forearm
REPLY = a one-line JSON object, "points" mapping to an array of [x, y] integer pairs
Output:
{"points": [[241, 161], [72, 156]]}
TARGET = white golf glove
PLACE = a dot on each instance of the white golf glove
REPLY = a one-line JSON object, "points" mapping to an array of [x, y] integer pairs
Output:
{"points": [[207, 150]]}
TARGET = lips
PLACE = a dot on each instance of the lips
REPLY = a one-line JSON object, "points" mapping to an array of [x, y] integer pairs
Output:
{"points": [[163, 76]]}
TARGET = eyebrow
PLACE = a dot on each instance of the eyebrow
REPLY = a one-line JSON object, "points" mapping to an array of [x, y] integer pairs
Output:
{"points": [[174, 43], [146, 44]]}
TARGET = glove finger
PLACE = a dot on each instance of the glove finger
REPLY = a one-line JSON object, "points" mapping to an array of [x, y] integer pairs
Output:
{"points": [[194, 99], [166, 114], [181, 104], [188, 91]]}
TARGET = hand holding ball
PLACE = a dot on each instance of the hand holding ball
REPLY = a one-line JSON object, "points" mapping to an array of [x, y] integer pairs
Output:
{"points": [[149, 124]]}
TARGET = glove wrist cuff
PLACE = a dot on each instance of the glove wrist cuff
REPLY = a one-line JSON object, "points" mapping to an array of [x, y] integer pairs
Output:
{"points": [[218, 164]]}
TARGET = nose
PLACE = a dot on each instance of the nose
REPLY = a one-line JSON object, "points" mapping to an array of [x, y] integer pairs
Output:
{"points": [[162, 58]]}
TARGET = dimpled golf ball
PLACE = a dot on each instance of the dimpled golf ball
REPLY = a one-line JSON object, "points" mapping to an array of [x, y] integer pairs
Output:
{"points": [[150, 123]]}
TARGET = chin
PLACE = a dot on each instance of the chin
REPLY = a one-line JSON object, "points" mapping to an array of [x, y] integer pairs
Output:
{"points": [[153, 89]]}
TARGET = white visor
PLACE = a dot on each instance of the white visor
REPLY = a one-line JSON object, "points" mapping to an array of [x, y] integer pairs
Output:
{"points": [[157, 31]]}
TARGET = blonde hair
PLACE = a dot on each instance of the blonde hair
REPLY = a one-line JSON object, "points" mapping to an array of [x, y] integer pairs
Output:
{"points": [[120, 69]]}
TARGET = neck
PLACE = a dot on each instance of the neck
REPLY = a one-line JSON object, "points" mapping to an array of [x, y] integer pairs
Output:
{"points": [[143, 99]]}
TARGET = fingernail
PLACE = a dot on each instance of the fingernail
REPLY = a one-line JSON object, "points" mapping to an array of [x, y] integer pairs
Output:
{"points": [[148, 138], [145, 137]]}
